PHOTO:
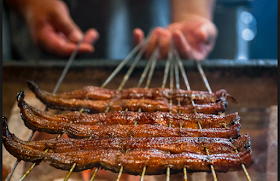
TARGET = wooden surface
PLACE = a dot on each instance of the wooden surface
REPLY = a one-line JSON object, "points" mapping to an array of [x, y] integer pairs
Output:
{"points": [[272, 145]]}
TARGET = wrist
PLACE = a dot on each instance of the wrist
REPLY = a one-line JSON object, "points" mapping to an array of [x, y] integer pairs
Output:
{"points": [[190, 17], [181, 9]]}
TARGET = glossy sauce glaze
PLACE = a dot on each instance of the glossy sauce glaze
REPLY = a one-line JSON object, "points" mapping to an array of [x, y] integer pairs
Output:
{"points": [[134, 153]]}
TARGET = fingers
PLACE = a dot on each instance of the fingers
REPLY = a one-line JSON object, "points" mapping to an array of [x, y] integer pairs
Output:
{"points": [[138, 36], [54, 43], [63, 22], [191, 41], [91, 36], [164, 43], [152, 42], [205, 40], [160, 38], [181, 44], [68, 27], [207, 33]]}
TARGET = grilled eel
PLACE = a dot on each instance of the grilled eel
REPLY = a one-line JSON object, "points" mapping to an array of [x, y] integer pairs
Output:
{"points": [[98, 93], [78, 125], [43, 119], [146, 105], [105, 131], [47, 122], [134, 153]]}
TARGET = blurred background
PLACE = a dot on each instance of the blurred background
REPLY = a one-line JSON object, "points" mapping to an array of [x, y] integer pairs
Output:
{"points": [[247, 28]]}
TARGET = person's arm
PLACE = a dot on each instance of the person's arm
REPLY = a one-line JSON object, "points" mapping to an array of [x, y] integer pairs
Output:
{"points": [[181, 8], [191, 30], [51, 26]]}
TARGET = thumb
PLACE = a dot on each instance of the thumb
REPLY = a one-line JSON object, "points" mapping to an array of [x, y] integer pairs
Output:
{"points": [[207, 33]]}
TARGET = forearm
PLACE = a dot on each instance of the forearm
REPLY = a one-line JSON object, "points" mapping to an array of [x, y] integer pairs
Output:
{"points": [[181, 8]]}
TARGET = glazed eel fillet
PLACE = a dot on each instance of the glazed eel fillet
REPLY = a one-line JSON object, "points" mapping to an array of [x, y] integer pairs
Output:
{"points": [[98, 93], [133, 154], [122, 124], [146, 105]]}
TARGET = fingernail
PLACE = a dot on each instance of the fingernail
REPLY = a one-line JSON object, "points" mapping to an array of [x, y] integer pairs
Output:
{"points": [[76, 36]]}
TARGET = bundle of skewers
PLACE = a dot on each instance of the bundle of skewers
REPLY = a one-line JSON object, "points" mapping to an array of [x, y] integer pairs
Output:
{"points": [[139, 131]]}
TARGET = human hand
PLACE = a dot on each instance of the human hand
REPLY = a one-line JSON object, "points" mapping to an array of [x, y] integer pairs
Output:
{"points": [[193, 38], [53, 30]]}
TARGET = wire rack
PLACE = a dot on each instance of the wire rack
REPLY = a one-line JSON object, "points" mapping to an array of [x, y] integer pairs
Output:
{"points": [[173, 68]]}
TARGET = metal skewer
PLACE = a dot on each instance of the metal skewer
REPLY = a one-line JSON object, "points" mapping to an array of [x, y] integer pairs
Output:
{"points": [[178, 87], [120, 66], [170, 102], [143, 174], [27, 172], [120, 173], [127, 58], [166, 69], [151, 63], [69, 63], [210, 91], [104, 84], [189, 89], [69, 173], [16, 163], [146, 69], [92, 177], [203, 76], [65, 70], [125, 78]]}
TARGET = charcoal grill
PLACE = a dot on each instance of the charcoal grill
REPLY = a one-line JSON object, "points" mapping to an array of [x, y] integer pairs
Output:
{"points": [[172, 68]]}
